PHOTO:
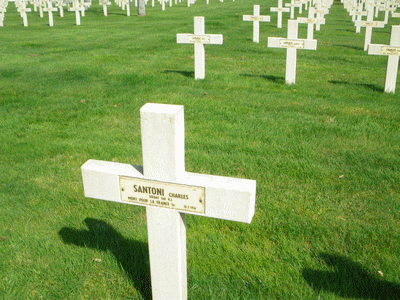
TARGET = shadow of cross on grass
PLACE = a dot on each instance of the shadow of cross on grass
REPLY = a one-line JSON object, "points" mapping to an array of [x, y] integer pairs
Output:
{"points": [[132, 256], [350, 279]]}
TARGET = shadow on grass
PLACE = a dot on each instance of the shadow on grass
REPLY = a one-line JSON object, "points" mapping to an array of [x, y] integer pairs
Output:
{"points": [[350, 279], [132, 256], [276, 79], [184, 73], [351, 47], [369, 86]]}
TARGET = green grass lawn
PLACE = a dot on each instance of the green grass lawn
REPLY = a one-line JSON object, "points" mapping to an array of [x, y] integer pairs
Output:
{"points": [[325, 153]]}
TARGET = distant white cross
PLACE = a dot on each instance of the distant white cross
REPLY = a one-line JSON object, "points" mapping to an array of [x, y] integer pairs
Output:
{"points": [[311, 20], [369, 24], [49, 9], [280, 10], [77, 8], [23, 10], [199, 38], [292, 5], [292, 43], [104, 3], [393, 53], [169, 193], [256, 18]]}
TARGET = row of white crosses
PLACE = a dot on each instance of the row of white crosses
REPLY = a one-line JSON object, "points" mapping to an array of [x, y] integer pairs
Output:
{"points": [[393, 49], [169, 193], [3, 9]]}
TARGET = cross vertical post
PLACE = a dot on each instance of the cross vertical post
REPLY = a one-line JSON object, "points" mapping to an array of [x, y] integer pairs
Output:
{"points": [[163, 147]]}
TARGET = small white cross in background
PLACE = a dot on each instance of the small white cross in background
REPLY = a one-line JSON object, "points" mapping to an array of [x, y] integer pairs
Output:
{"points": [[199, 38]]}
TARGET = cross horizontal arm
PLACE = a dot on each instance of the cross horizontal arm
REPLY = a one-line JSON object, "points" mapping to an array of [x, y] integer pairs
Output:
{"points": [[377, 49], [225, 198]]}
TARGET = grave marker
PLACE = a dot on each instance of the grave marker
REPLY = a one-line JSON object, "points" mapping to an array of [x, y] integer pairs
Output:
{"points": [[292, 43], [310, 21], [22, 9], [105, 3], [256, 18], [369, 24], [77, 8], [393, 53], [164, 181], [49, 9], [199, 38], [280, 10], [292, 5]]}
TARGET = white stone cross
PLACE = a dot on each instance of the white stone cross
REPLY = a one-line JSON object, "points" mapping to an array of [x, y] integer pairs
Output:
{"points": [[60, 4], [77, 8], [256, 18], [23, 10], [126, 3], [104, 3], [393, 52], [292, 5], [2, 12], [50, 10], [199, 38], [358, 14], [321, 10], [280, 10], [41, 5], [369, 24], [311, 20], [168, 192], [292, 43]]}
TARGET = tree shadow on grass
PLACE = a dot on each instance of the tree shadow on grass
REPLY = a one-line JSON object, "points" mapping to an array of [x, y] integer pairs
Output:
{"points": [[132, 256], [369, 86], [276, 79], [350, 279], [184, 73]]}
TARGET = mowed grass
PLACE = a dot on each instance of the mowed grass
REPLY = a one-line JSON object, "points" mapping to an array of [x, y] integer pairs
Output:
{"points": [[324, 153]]}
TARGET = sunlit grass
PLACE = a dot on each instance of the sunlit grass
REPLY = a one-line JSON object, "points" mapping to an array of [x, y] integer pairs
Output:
{"points": [[324, 153]]}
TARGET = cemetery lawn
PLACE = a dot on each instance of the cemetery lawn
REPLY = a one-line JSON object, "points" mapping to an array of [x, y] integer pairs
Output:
{"points": [[325, 153]]}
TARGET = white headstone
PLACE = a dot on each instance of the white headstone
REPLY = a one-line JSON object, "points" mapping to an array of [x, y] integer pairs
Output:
{"points": [[393, 52], [199, 39], [256, 19], [292, 43], [280, 10], [168, 192]]}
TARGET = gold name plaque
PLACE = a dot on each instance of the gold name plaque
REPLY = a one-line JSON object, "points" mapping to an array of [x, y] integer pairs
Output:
{"points": [[284, 43], [202, 39], [390, 50], [161, 194]]}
